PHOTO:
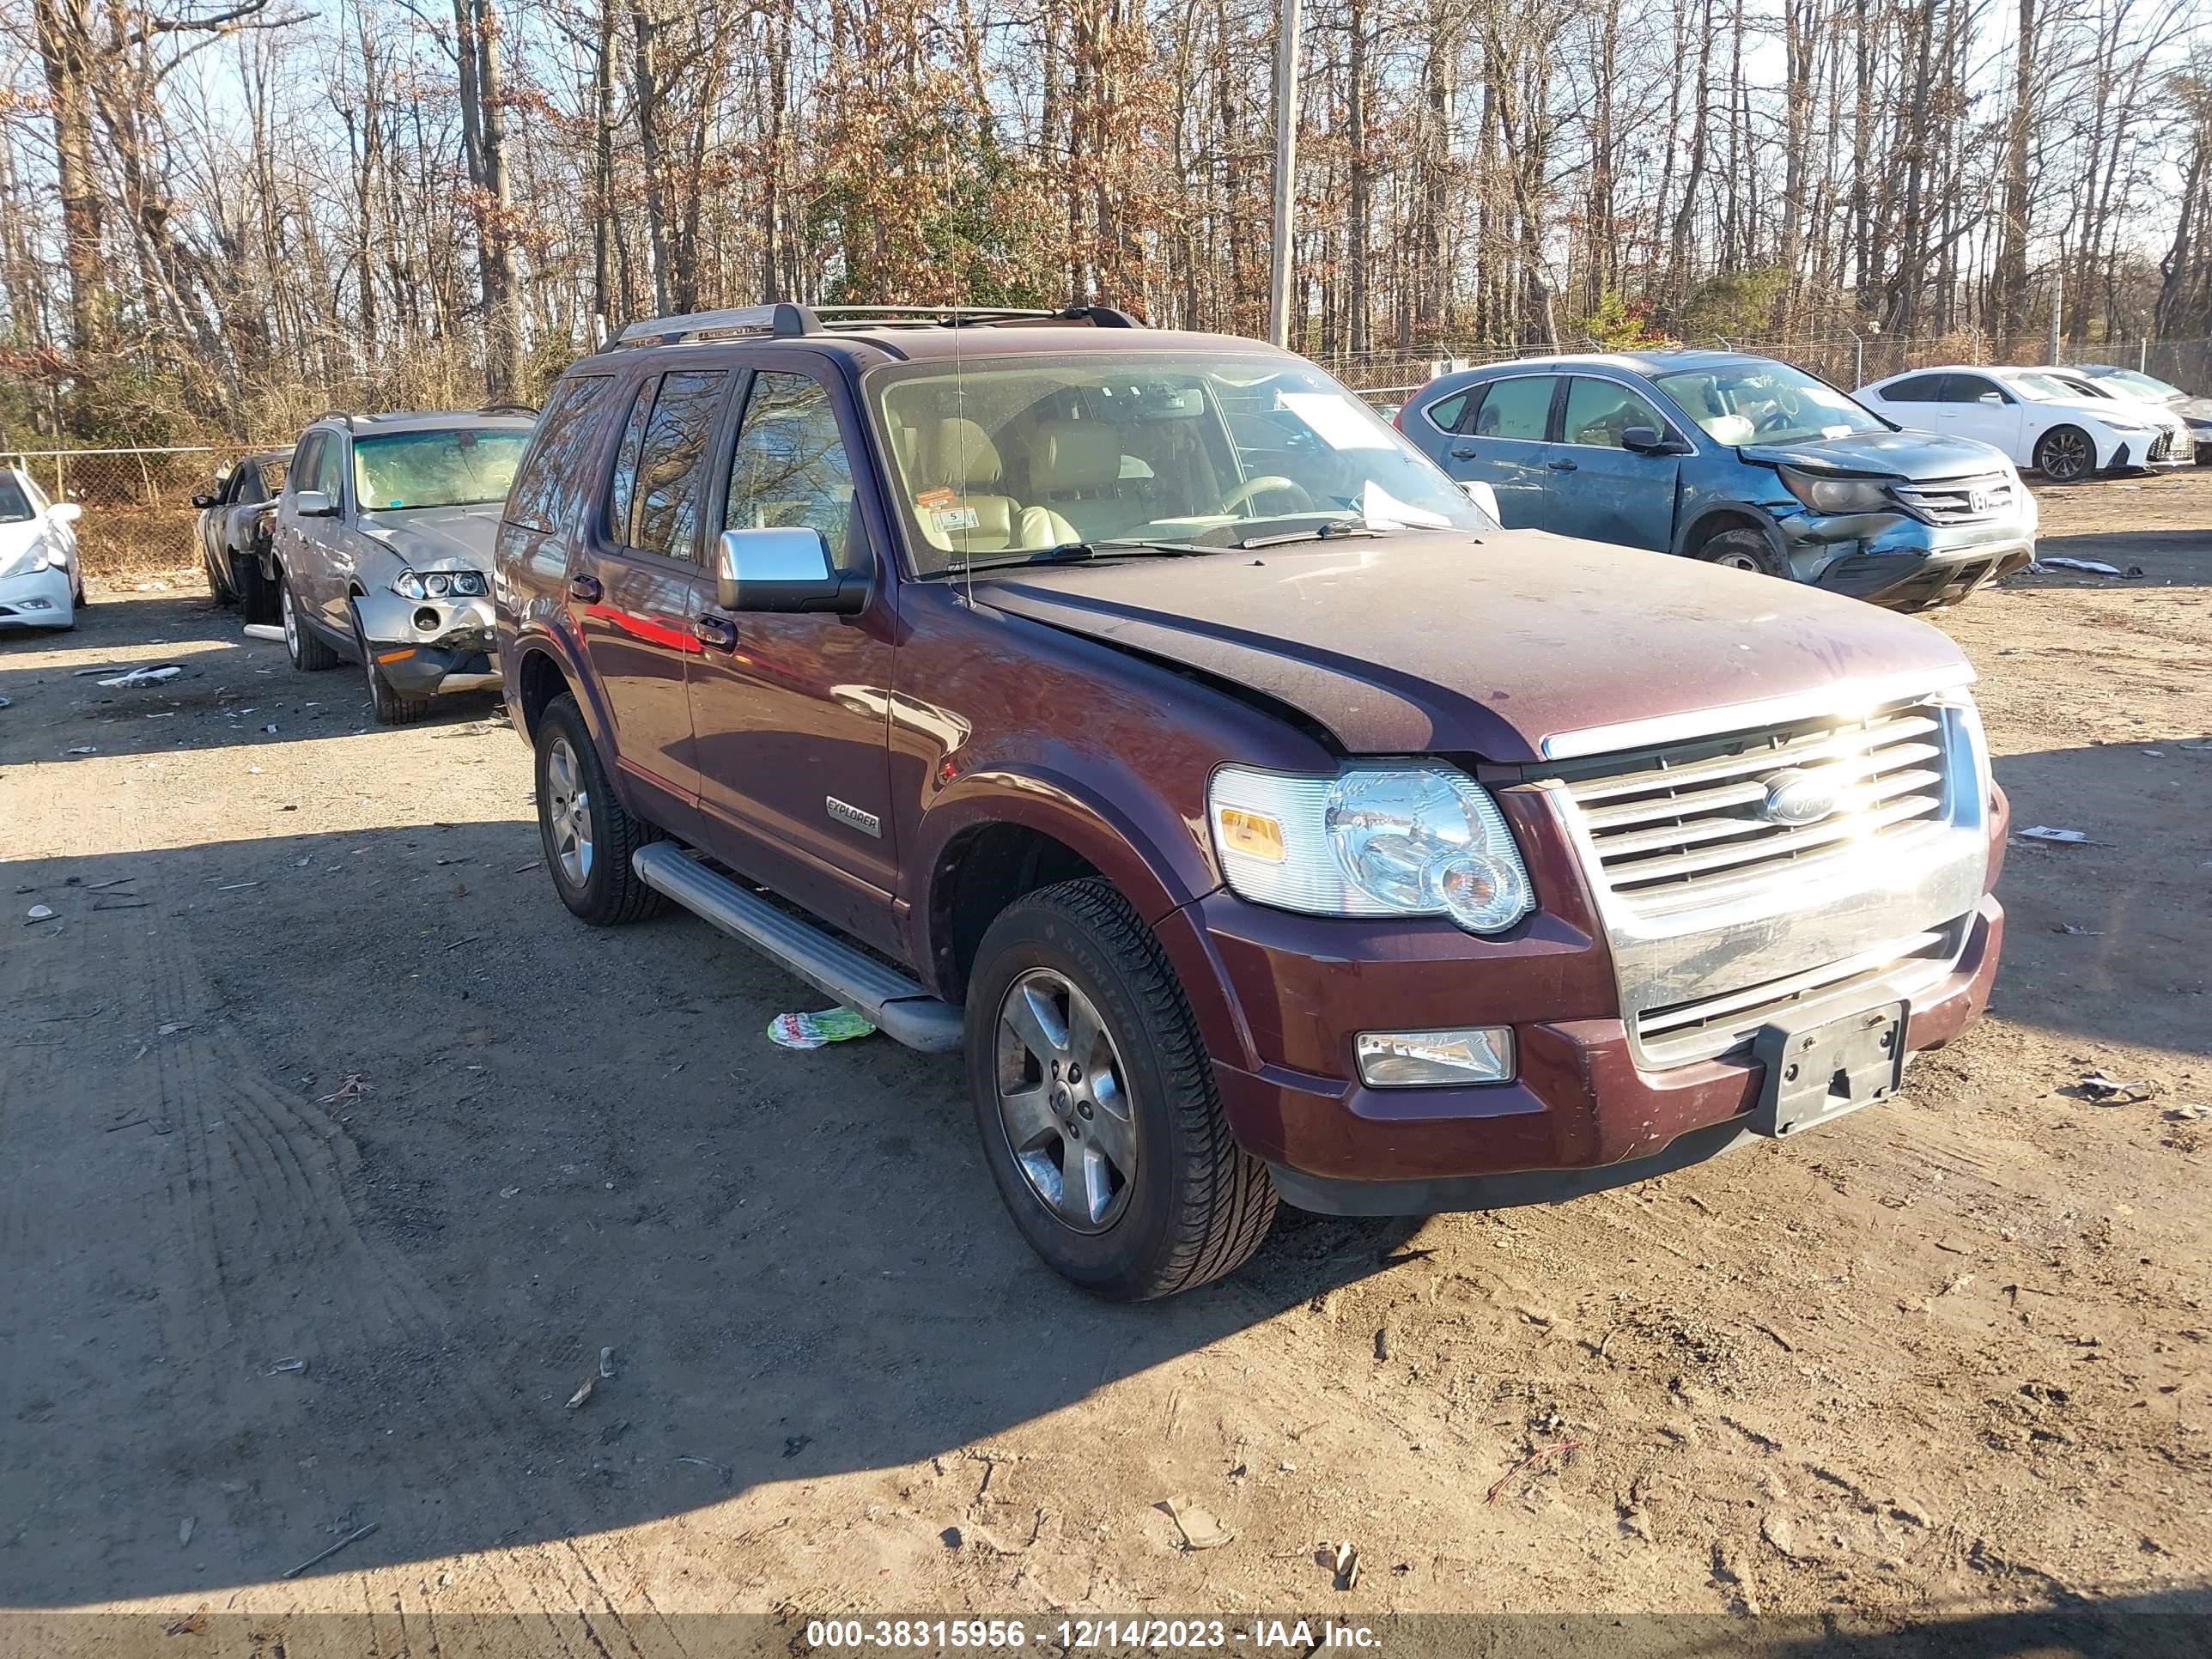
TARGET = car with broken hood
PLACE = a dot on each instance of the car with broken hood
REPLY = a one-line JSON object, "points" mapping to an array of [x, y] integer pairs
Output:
{"points": [[381, 544], [1738, 460], [1136, 716], [235, 521]]}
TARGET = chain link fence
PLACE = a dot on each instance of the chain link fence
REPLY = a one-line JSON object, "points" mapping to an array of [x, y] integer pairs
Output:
{"points": [[138, 512]]}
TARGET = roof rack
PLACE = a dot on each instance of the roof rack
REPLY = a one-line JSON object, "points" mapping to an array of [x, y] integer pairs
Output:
{"points": [[508, 409], [785, 321], [333, 415]]}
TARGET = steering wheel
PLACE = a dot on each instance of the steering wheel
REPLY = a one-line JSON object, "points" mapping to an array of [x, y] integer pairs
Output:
{"points": [[1240, 497]]}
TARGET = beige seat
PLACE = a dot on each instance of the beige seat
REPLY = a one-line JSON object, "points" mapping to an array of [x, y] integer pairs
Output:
{"points": [[958, 455]]}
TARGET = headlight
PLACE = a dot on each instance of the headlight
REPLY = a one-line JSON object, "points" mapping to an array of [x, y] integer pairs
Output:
{"points": [[1375, 840], [438, 585], [1836, 494], [2128, 426], [29, 559]]}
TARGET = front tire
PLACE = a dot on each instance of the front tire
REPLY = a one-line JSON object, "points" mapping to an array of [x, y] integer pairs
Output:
{"points": [[1742, 550], [2065, 455], [1096, 1103], [310, 655], [587, 837], [386, 706]]}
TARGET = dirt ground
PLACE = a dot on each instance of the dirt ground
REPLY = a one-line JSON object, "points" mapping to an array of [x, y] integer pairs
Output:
{"points": [[334, 1155]]}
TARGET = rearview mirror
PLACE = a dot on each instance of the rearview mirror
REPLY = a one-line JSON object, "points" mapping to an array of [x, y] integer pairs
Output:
{"points": [[65, 512], [313, 504], [785, 569]]}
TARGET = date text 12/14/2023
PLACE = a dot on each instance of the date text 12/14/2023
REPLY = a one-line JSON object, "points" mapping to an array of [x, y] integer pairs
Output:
{"points": [[987, 1636]]}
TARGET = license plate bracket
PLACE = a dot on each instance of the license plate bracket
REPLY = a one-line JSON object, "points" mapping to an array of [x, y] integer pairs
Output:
{"points": [[1816, 1073]]}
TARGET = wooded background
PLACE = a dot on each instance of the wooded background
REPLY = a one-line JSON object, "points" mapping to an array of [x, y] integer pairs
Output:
{"points": [[218, 217]]}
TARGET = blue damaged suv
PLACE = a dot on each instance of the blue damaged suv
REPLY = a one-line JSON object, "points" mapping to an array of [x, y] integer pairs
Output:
{"points": [[1739, 460]]}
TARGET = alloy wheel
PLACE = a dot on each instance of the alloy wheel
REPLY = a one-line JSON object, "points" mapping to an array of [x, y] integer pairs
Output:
{"points": [[2065, 456], [1063, 1101], [291, 620], [568, 811]]}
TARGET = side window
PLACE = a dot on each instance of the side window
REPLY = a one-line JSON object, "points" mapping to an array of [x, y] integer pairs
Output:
{"points": [[329, 474], [552, 472], [1599, 411], [790, 466], [1519, 408], [622, 489], [1444, 414], [306, 459], [1920, 389], [1971, 388], [669, 476]]}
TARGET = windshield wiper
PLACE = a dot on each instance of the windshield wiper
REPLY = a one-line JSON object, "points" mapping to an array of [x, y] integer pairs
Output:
{"points": [[1078, 553], [1325, 532]]}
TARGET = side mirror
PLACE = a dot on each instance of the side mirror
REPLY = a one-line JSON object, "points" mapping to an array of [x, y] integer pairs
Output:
{"points": [[204, 501], [1650, 440], [1484, 496], [65, 512], [785, 570], [313, 504], [1995, 399]]}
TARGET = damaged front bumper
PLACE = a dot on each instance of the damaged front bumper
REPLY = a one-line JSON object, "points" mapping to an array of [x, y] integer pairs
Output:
{"points": [[426, 648]]}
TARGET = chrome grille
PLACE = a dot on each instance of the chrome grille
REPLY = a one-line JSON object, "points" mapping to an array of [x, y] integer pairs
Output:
{"points": [[1688, 827], [2161, 447], [1717, 1025], [1958, 500]]}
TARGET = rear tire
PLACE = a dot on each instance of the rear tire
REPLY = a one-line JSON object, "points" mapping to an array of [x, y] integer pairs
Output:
{"points": [[2065, 455], [587, 837], [1084, 1060], [1742, 550], [386, 705], [309, 653]]}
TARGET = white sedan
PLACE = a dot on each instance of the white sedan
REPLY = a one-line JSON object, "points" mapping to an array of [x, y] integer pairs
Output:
{"points": [[41, 584], [2037, 420]]}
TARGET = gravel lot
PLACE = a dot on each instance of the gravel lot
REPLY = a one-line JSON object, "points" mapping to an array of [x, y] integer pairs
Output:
{"points": [[334, 1154]]}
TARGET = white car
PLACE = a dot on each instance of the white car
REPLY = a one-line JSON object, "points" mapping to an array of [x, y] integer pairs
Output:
{"points": [[41, 584], [2037, 420]]}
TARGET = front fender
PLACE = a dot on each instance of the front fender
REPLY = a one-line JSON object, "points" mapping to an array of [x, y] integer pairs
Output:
{"points": [[1731, 515]]}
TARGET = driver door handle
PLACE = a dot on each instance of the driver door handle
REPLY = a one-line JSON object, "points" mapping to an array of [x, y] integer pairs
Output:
{"points": [[1566, 466], [585, 588], [718, 631], [1463, 451]]}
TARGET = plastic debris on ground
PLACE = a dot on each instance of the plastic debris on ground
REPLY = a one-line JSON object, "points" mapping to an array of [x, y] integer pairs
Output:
{"points": [[817, 1030], [39, 913], [146, 676], [2095, 567], [2113, 1092], [2063, 837], [264, 631], [1200, 1528]]}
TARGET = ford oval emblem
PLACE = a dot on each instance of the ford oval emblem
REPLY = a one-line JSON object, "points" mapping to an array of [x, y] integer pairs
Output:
{"points": [[1797, 798]]}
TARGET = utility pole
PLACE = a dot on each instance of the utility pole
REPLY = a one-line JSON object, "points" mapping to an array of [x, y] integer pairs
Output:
{"points": [[1286, 171], [2057, 304]]}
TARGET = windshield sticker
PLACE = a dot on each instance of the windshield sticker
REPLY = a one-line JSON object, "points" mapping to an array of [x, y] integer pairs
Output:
{"points": [[932, 501], [1335, 421], [955, 518], [1381, 510]]}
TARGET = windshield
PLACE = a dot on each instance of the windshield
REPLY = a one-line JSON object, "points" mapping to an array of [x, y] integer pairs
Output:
{"points": [[14, 505], [461, 467], [2144, 385], [1765, 403], [2043, 388], [1010, 454]]}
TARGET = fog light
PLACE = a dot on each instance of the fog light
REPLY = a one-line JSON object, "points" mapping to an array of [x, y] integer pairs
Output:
{"points": [[1436, 1059]]}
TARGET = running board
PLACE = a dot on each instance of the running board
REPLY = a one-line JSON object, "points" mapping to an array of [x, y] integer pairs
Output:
{"points": [[887, 998]]}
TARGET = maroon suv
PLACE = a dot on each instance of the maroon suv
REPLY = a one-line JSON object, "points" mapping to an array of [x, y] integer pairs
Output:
{"points": [[1139, 715]]}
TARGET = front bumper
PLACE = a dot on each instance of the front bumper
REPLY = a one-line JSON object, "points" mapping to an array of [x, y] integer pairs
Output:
{"points": [[1582, 1114], [37, 599], [1913, 579], [425, 648]]}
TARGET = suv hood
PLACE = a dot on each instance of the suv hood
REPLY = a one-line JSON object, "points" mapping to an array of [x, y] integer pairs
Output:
{"points": [[429, 537], [1424, 643], [1915, 455]]}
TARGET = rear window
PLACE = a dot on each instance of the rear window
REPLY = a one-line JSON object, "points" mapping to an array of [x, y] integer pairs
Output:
{"points": [[551, 479], [1444, 415]]}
